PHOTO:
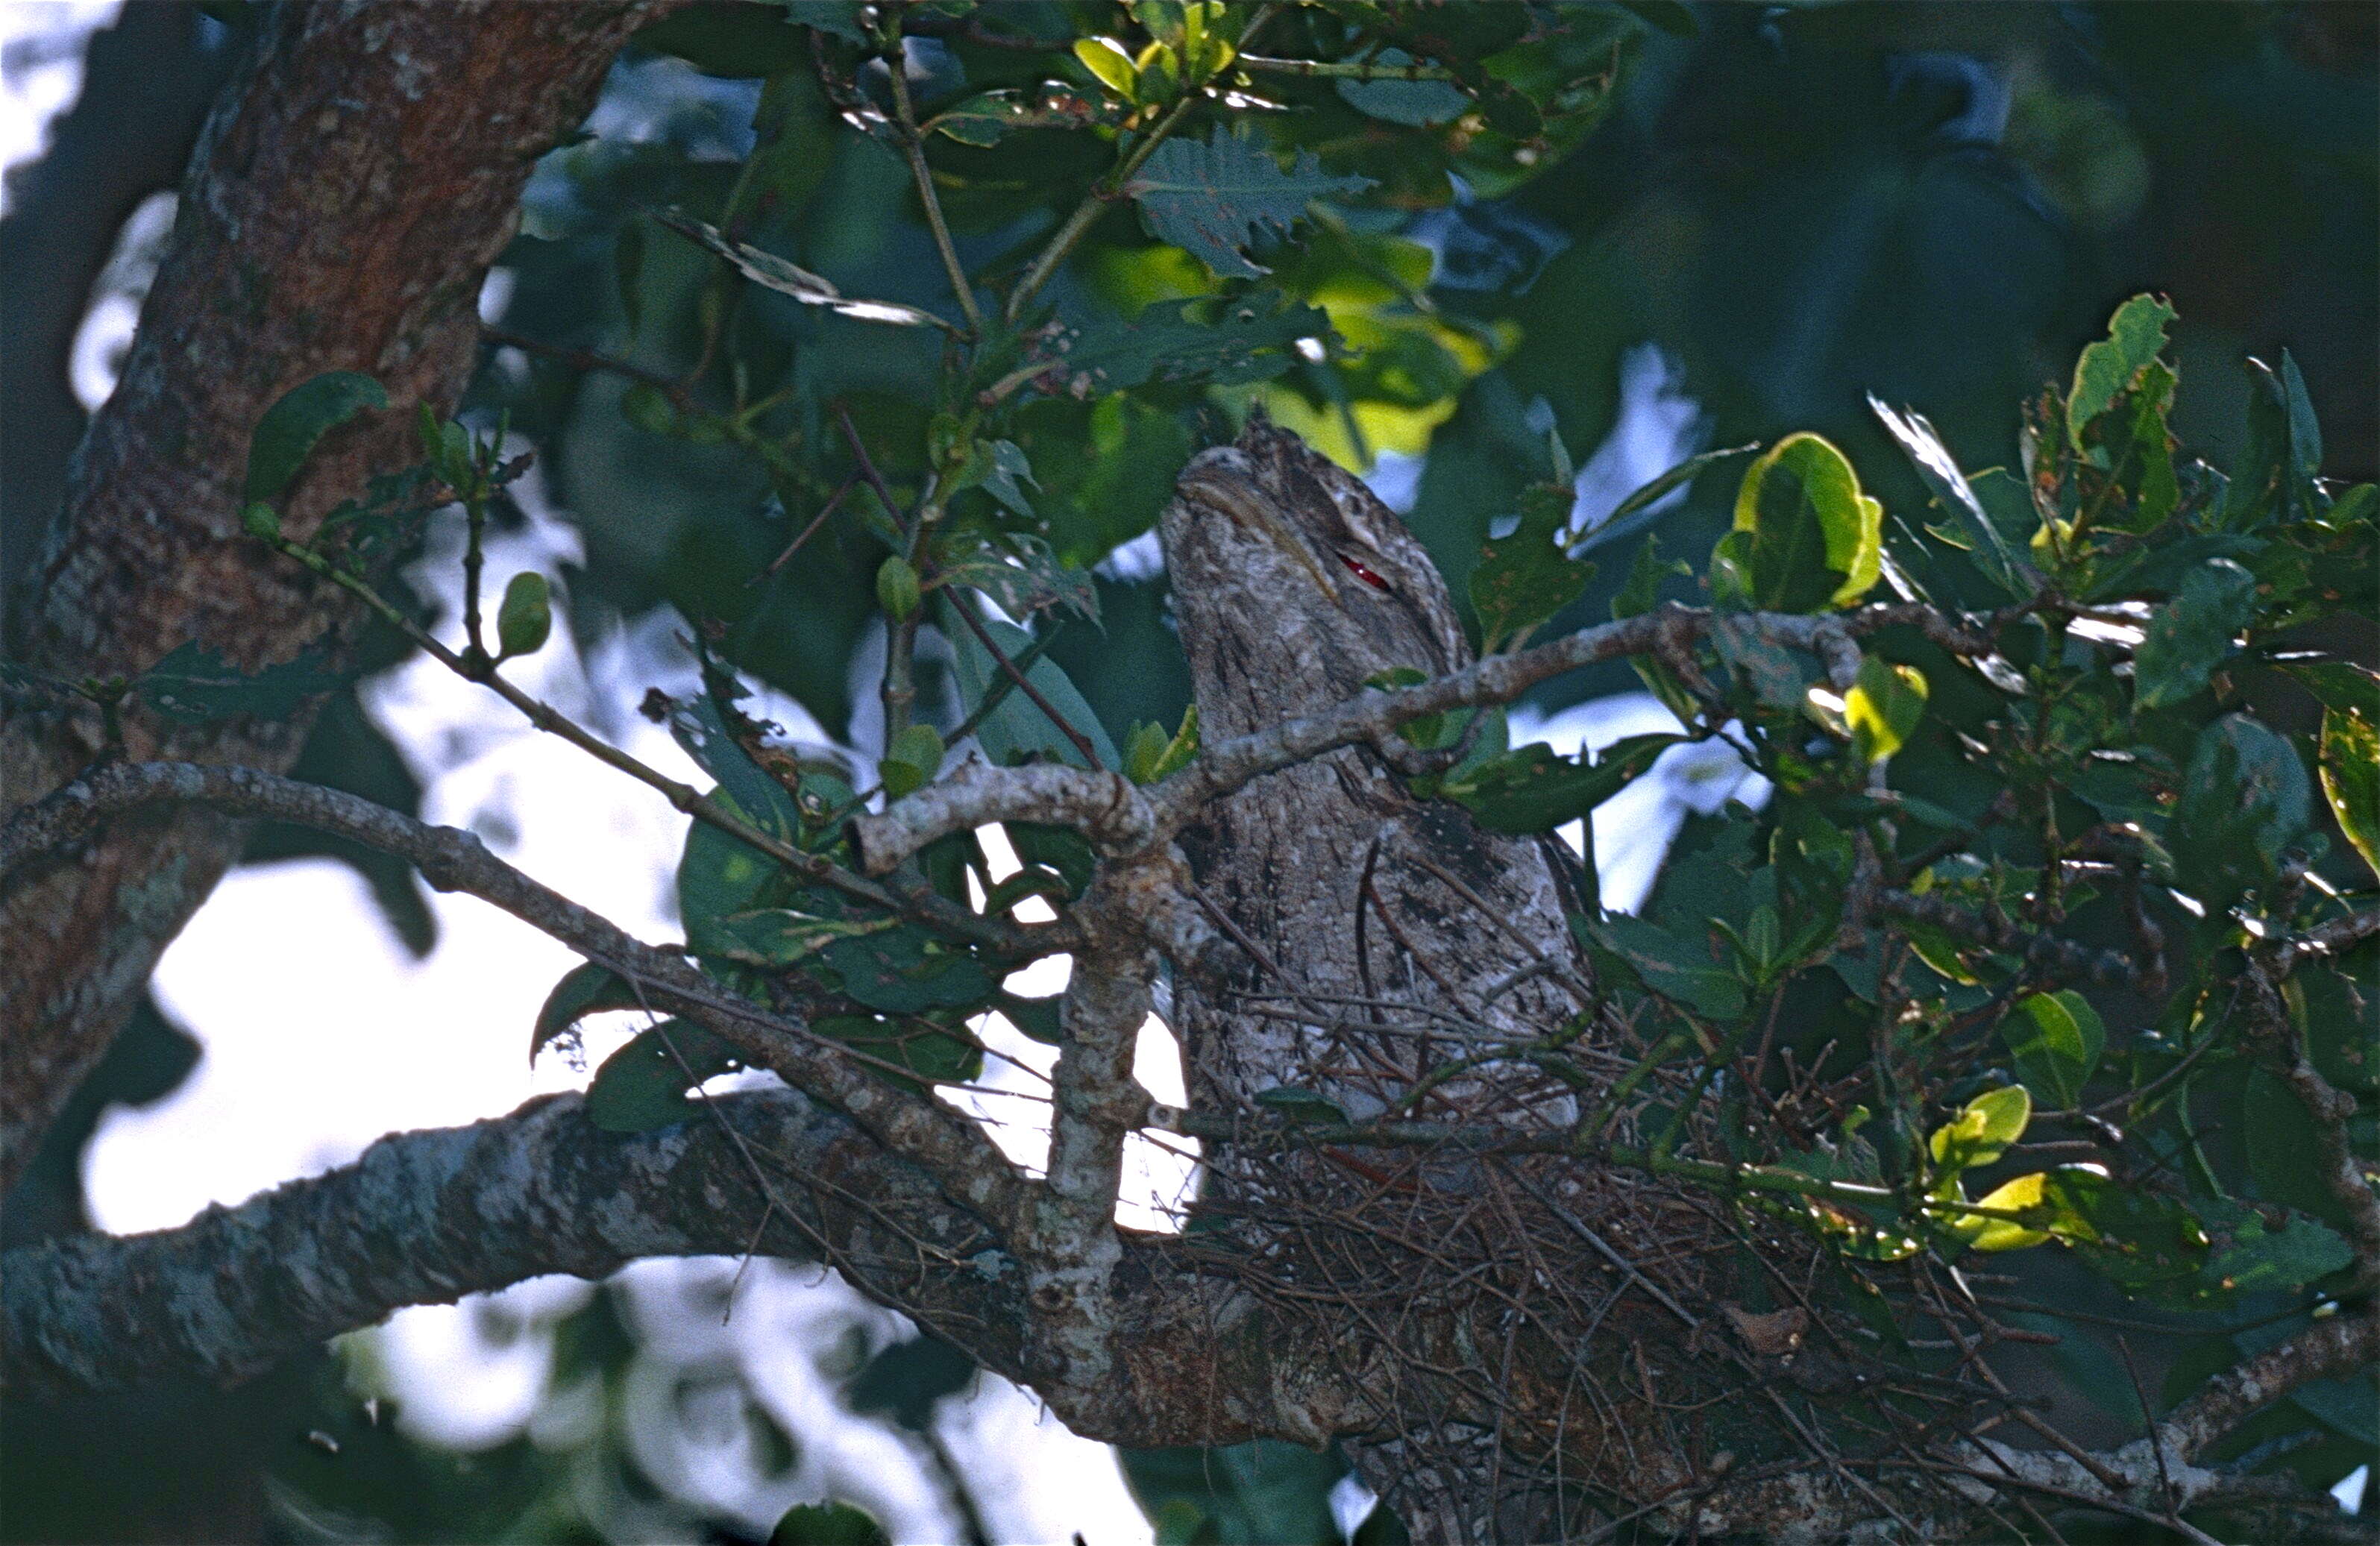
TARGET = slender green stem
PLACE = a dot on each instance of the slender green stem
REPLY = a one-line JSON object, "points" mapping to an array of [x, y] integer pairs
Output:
{"points": [[684, 797], [1342, 70], [913, 143], [475, 516], [1061, 244]]}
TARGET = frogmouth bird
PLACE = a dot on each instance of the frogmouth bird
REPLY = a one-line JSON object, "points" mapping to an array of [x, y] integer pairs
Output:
{"points": [[1379, 936]]}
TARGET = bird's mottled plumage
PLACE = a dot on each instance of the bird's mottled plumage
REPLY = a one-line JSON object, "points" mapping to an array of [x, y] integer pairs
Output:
{"points": [[1382, 921]]}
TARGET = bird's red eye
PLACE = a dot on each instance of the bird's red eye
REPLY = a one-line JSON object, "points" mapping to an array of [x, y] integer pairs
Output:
{"points": [[1367, 576]]}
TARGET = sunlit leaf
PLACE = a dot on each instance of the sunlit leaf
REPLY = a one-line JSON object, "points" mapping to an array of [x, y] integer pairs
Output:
{"points": [[2056, 1040], [2135, 334], [1884, 707], [770, 271], [1805, 537]]}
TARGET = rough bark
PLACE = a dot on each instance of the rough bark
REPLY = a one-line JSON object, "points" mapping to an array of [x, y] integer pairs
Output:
{"points": [[341, 211], [147, 82]]}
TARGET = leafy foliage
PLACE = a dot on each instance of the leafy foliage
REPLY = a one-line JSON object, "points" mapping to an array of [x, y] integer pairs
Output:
{"points": [[1895, 976]]}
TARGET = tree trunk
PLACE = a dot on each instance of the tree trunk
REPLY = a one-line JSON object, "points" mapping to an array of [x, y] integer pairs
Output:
{"points": [[342, 208]]}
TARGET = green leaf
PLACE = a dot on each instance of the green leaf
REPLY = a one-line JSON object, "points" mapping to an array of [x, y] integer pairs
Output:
{"points": [[1010, 468], [1300, 1105], [2283, 1155], [1938, 470], [1150, 754], [699, 727], [1019, 571], [840, 19], [2351, 778], [777, 938], [644, 1085], [1017, 728], [1635, 513], [717, 876], [1418, 103], [1036, 1017], [193, 685], [1776, 674], [906, 971], [1811, 539], [2025, 1194], [770, 271], [628, 269], [525, 617], [919, 1046], [912, 760], [1884, 707], [1523, 580], [2244, 798], [2144, 1243], [1985, 1129], [2057, 1040], [2135, 335], [1107, 61], [981, 119], [1679, 970], [830, 1524], [1225, 340], [291, 428], [2191, 634], [897, 589], [1534, 790], [1212, 200], [2252, 1256], [586, 989]]}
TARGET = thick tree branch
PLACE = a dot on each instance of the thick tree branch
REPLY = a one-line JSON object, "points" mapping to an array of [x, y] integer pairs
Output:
{"points": [[1103, 807], [346, 198], [428, 1217], [956, 1151]]}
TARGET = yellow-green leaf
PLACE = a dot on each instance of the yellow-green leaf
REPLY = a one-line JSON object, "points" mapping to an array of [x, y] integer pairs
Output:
{"points": [[2351, 778], [1883, 708], [1105, 57], [2020, 1195], [1984, 1131], [1813, 539]]}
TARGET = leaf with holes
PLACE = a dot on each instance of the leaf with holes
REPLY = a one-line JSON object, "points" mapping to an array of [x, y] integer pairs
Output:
{"points": [[194, 685], [1524, 579], [1018, 570], [2351, 778], [2106, 369], [1224, 340]]}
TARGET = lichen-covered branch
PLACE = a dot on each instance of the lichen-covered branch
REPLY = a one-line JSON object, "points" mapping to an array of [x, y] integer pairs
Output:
{"points": [[1375, 716], [957, 1152], [1103, 807], [428, 1217], [1072, 1251]]}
